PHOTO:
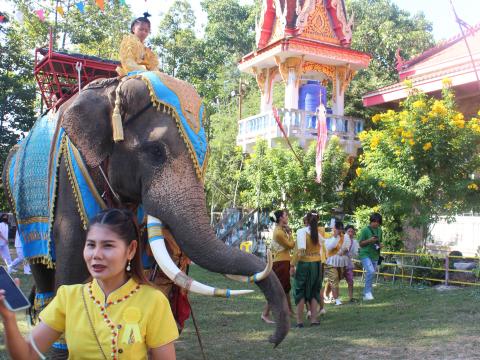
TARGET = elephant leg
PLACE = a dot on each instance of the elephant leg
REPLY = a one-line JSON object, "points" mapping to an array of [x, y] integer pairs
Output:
{"points": [[69, 235], [69, 241]]}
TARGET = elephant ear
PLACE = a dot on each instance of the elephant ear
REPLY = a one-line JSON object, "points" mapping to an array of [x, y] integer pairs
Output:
{"points": [[87, 121]]}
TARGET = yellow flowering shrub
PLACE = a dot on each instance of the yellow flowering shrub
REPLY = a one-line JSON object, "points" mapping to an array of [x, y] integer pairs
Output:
{"points": [[403, 172]]}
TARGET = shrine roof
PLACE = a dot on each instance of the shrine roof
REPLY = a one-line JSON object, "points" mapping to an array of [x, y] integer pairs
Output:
{"points": [[427, 70], [319, 31], [311, 50]]}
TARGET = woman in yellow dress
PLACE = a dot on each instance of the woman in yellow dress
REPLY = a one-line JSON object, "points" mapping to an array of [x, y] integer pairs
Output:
{"points": [[308, 269], [134, 55], [116, 315], [282, 244]]}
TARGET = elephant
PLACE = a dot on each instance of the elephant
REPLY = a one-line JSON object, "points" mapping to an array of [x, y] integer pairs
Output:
{"points": [[151, 166]]}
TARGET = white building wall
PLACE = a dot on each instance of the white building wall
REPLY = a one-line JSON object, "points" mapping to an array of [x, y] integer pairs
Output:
{"points": [[463, 235]]}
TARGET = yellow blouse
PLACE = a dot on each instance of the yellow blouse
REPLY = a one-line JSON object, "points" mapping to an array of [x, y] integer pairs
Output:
{"points": [[282, 244], [134, 55], [144, 320], [311, 252]]}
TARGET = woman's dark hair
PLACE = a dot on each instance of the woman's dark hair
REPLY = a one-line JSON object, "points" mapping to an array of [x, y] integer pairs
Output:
{"points": [[277, 215], [4, 218], [339, 225], [311, 218], [348, 227], [376, 217], [124, 223], [141, 19]]}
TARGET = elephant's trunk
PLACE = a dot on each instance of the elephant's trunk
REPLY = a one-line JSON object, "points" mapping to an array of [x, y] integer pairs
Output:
{"points": [[191, 228]]}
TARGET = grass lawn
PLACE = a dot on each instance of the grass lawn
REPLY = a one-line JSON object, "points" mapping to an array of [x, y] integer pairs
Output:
{"points": [[403, 322]]}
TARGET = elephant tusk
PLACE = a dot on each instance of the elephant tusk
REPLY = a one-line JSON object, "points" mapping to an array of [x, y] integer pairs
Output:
{"points": [[258, 276], [159, 249]]}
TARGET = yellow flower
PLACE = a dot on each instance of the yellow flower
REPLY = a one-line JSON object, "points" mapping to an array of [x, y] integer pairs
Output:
{"points": [[438, 108], [397, 152], [408, 83], [411, 158], [382, 184], [448, 205], [374, 141], [427, 146], [376, 118], [424, 119], [419, 104], [391, 113], [358, 171], [441, 127], [472, 186], [362, 135], [403, 140], [411, 142], [407, 134], [447, 82]]}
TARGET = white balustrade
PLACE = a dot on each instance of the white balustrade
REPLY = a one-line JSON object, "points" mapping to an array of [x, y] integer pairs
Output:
{"points": [[300, 125]]}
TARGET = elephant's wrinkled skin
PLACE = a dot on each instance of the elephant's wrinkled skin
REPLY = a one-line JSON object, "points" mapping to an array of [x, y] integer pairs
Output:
{"points": [[151, 166]]}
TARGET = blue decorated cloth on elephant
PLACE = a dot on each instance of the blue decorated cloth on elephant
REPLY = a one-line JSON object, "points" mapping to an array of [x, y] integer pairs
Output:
{"points": [[32, 185], [181, 100], [28, 189]]}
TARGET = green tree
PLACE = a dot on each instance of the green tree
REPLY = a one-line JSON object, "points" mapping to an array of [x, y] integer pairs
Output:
{"points": [[419, 162], [17, 97], [177, 43], [273, 178], [93, 32], [381, 28]]}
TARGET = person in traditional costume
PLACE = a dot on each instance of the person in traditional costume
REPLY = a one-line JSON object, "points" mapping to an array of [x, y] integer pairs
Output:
{"points": [[352, 252], [116, 314], [282, 244], [370, 241], [337, 259], [4, 249], [308, 269], [134, 55], [20, 257]]}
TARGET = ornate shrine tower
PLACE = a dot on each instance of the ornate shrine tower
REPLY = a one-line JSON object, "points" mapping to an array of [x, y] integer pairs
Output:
{"points": [[300, 41]]}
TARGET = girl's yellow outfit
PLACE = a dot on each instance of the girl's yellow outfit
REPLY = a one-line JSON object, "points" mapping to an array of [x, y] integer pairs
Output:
{"points": [[141, 321], [281, 245], [308, 274], [135, 56]]}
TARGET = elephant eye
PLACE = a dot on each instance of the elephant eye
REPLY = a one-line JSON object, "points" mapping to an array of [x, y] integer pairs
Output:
{"points": [[157, 152]]}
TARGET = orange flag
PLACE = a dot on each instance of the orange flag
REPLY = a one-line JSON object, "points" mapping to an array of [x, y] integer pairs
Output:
{"points": [[100, 4]]}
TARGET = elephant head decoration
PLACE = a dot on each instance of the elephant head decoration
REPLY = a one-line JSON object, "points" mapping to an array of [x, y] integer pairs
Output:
{"points": [[151, 155]]}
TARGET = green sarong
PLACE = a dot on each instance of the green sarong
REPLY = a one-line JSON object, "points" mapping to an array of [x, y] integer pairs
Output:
{"points": [[308, 281]]}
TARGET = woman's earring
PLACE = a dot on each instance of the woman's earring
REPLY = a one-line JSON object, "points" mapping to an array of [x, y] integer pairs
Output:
{"points": [[128, 266]]}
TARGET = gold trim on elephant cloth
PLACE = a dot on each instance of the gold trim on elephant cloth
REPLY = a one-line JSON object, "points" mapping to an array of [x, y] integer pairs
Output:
{"points": [[191, 105]]}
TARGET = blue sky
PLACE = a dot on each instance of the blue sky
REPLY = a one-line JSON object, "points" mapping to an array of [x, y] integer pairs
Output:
{"points": [[439, 12]]}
